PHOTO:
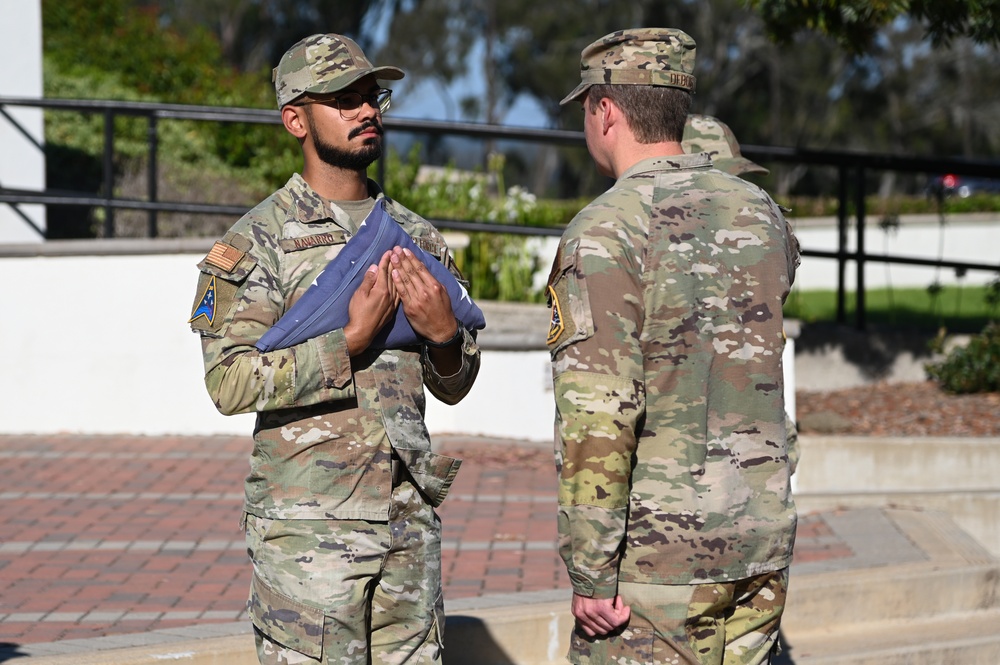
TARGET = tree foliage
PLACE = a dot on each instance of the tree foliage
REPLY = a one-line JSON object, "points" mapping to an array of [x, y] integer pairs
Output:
{"points": [[112, 49], [923, 78], [897, 90], [854, 24], [252, 34]]}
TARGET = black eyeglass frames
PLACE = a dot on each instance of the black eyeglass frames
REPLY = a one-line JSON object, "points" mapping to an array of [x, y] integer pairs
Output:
{"points": [[349, 103]]}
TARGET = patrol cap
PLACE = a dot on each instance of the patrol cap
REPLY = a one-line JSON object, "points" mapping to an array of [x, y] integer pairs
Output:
{"points": [[638, 56], [703, 133], [323, 64]]}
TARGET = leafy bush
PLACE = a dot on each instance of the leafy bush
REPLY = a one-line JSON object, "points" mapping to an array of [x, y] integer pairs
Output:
{"points": [[499, 266], [974, 368]]}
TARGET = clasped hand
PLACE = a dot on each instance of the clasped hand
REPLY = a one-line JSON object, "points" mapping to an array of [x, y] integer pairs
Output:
{"points": [[399, 278], [600, 616]]}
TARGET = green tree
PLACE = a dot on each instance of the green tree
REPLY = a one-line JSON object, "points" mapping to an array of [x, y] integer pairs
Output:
{"points": [[112, 49], [902, 93], [252, 34], [854, 24]]}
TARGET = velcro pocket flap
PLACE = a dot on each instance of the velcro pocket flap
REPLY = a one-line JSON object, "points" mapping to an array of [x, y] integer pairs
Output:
{"points": [[286, 621], [432, 473]]}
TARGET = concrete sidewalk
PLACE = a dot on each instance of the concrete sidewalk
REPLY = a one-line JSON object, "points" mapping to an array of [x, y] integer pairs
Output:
{"points": [[114, 541]]}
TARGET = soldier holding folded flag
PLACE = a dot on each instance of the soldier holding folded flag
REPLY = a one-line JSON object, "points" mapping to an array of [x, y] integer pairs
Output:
{"points": [[339, 511]]}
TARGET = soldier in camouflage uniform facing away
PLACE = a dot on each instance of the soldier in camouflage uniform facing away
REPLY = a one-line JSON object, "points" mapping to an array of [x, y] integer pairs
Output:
{"points": [[676, 519], [703, 133], [340, 520]]}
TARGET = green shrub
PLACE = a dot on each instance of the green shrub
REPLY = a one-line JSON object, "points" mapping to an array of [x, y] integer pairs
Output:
{"points": [[499, 266], [974, 368]]}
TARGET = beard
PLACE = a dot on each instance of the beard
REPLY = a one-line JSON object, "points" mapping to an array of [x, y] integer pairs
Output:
{"points": [[354, 160]]}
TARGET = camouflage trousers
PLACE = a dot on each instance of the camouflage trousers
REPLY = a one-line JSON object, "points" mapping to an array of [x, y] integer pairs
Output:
{"points": [[349, 591], [734, 623]]}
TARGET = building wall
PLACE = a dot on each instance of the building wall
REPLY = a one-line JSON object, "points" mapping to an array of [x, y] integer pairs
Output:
{"points": [[101, 344], [98, 344], [22, 163]]}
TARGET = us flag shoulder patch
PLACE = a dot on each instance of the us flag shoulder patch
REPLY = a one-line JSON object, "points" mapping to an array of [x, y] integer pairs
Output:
{"points": [[223, 256]]}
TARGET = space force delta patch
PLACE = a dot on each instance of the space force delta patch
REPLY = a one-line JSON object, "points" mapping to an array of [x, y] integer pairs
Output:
{"points": [[206, 305]]}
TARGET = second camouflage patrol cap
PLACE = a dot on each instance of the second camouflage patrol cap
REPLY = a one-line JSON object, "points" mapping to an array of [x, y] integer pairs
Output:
{"points": [[323, 64], [703, 133], [639, 56]]}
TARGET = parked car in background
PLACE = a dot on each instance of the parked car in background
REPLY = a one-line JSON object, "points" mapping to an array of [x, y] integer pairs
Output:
{"points": [[962, 186]]}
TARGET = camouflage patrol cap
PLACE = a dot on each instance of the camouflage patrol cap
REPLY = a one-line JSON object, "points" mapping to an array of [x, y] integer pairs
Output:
{"points": [[703, 133], [323, 64], [640, 56]]}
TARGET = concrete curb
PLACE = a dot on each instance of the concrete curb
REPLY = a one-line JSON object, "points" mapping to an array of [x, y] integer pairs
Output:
{"points": [[501, 629]]}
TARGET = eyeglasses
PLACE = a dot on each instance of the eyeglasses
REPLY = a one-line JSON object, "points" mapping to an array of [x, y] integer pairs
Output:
{"points": [[349, 103]]}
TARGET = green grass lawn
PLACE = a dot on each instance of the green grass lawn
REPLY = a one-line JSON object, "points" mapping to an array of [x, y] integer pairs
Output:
{"points": [[958, 309]]}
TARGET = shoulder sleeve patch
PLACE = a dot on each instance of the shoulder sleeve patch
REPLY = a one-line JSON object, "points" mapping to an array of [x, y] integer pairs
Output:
{"points": [[205, 306], [556, 325], [224, 256], [570, 319], [222, 271]]}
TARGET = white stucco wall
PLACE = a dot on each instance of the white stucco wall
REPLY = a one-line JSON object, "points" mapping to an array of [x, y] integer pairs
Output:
{"points": [[101, 344], [22, 164], [969, 238]]}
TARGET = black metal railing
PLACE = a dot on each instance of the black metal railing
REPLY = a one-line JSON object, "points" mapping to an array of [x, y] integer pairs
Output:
{"points": [[852, 171]]}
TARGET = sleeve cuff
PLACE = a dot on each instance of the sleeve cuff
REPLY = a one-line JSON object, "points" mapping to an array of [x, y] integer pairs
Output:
{"points": [[334, 360], [605, 586]]}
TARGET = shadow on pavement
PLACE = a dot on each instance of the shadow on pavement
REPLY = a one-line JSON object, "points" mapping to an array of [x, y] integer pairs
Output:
{"points": [[785, 657], [9, 651], [468, 642]]}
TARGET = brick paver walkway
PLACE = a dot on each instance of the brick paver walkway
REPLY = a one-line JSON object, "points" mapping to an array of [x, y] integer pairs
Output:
{"points": [[108, 535]]}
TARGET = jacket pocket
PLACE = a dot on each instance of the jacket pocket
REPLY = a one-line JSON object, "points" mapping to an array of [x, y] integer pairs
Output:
{"points": [[431, 472], [286, 621]]}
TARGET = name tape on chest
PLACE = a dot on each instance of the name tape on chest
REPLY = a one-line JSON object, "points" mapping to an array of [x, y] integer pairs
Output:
{"points": [[316, 240]]}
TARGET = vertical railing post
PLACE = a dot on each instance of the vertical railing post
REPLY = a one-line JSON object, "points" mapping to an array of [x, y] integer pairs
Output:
{"points": [[842, 245], [151, 174], [859, 205], [109, 172]]}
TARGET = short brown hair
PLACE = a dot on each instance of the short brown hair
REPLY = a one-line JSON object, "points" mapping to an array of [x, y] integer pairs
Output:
{"points": [[654, 113]]}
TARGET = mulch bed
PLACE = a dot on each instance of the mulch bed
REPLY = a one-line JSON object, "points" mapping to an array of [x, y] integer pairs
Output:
{"points": [[898, 409]]}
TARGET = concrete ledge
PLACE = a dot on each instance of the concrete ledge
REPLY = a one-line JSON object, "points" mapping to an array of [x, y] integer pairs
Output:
{"points": [[526, 634], [953, 475], [514, 326], [525, 628], [232, 650]]}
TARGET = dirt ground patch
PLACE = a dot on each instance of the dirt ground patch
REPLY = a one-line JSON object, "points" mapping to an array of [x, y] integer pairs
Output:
{"points": [[898, 409]]}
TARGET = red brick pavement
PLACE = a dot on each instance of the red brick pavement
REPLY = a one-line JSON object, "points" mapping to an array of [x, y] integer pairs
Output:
{"points": [[107, 535]]}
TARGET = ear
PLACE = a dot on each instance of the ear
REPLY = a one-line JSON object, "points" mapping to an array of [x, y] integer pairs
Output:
{"points": [[294, 120], [610, 114]]}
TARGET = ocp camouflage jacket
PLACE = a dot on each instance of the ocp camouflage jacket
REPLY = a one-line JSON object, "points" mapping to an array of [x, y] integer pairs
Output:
{"points": [[326, 423], [666, 342]]}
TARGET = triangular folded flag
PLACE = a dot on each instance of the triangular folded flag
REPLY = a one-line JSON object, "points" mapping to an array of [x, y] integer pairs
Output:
{"points": [[323, 307]]}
